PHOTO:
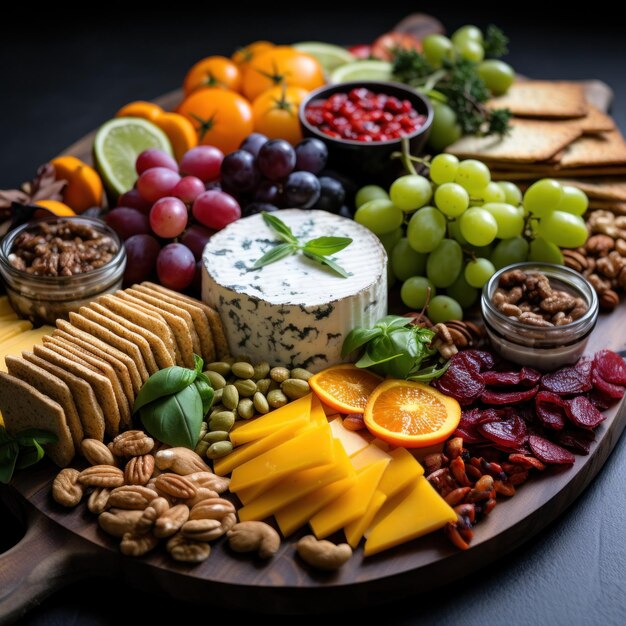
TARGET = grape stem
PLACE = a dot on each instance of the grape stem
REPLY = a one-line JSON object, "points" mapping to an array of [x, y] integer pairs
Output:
{"points": [[408, 159], [469, 253]]}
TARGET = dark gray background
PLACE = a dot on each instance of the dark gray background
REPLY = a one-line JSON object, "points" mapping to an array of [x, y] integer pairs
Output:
{"points": [[62, 77]]}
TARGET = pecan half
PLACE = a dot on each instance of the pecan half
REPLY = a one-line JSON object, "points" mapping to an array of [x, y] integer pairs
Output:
{"points": [[98, 500], [175, 486], [131, 497], [132, 443], [187, 550], [138, 470], [137, 545], [66, 490], [171, 521], [102, 476], [210, 481], [96, 452]]}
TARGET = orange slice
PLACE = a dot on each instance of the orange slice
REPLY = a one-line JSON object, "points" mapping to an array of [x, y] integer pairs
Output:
{"points": [[55, 207], [344, 387], [412, 415]]}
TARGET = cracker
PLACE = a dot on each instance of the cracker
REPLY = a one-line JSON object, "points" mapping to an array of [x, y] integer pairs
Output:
{"points": [[595, 150], [101, 385], [50, 386], [596, 121], [96, 346], [24, 407], [600, 188], [557, 172], [543, 99], [89, 410], [619, 208]]}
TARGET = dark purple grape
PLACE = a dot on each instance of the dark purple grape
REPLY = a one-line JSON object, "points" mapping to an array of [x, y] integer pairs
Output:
{"points": [[253, 143], [302, 189], [345, 211], [127, 222], [269, 191], [195, 238], [214, 184], [276, 159], [141, 256], [259, 207], [311, 155], [332, 195], [239, 172], [348, 184]]}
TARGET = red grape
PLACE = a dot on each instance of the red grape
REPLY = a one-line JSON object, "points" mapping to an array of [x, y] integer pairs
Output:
{"points": [[203, 162], [127, 222], [141, 256], [168, 217], [195, 238], [276, 159], [216, 209], [188, 189], [156, 183], [311, 155], [134, 200], [153, 157], [253, 143], [175, 266]]}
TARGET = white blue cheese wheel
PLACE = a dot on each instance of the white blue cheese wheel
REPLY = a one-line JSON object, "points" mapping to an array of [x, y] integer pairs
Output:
{"points": [[293, 312]]}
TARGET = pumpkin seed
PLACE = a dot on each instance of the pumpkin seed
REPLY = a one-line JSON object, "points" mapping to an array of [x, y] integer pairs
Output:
{"points": [[245, 408], [230, 397], [276, 398], [221, 367], [246, 388], [279, 374], [300, 373], [242, 370], [294, 388], [217, 380], [260, 403], [263, 385], [261, 370], [219, 449], [215, 435], [224, 420]]}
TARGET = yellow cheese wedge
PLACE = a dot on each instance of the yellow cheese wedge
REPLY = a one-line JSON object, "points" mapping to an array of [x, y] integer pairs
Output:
{"points": [[352, 441], [317, 411], [298, 513], [266, 425], [350, 505], [311, 448], [8, 317], [369, 455], [402, 470], [22, 342], [421, 512], [5, 306], [355, 530], [12, 329]]}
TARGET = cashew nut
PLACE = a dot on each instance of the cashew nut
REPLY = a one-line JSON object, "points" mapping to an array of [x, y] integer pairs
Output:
{"points": [[254, 536], [181, 461], [323, 554]]}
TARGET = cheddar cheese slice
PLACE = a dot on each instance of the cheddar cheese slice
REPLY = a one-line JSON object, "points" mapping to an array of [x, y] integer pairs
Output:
{"points": [[369, 455], [352, 441], [355, 530], [401, 471], [12, 329]]}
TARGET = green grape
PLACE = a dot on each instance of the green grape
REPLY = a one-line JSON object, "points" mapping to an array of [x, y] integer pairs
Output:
{"points": [[574, 201], [405, 262], [444, 263], [436, 48], [512, 193], [563, 229], [451, 199], [380, 216], [509, 251], [389, 240], [468, 33], [465, 295], [454, 232], [497, 75], [542, 251], [473, 175], [491, 193], [470, 50], [410, 192], [481, 251], [426, 229], [543, 196], [444, 309], [369, 192], [415, 292], [478, 272], [443, 168], [444, 130], [478, 226], [510, 221]]}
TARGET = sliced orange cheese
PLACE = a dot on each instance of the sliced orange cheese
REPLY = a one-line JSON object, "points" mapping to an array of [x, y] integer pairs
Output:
{"points": [[266, 425], [21, 343], [369, 455], [317, 411], [12, 329], [401, 471], [422, 511], [7, 317], [352, 441], [356, 529]]}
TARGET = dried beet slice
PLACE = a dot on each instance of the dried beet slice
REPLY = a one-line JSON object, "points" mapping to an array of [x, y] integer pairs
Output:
{"points": [[526, 461], [494, 415], [601, 401], [604, 387], [509, 433], [508, 397], [583, 413], [467, 427], [610, 366], [566, 382], [481, 359], [462, 380], [526, 376], [577, 440], [550, 410], [584, 367], [548, 452]]}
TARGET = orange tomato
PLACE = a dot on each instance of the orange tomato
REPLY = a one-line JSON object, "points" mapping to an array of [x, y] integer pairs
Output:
{"points": [[244, 55], [179, 130], [383, 47], [84, 186], [275, 113], [281, 65], [140, 108], [222, 118], [212, 72], [55, 207]]}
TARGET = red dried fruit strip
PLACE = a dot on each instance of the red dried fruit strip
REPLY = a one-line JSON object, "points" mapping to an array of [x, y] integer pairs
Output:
{"points": [[601, 401], [526, 461], [577, 440], [605, 387], [481, 359], [526, 377], [495, 415], [582, 412], [548, 452], [509, 433], [462, 381], [467, 426], [610, 366], [566, 382], [549, 409], [584, 367], [510, 397]]}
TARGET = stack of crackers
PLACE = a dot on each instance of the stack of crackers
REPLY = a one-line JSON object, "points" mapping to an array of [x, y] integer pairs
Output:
{"points": [[556, 132], [82, 381]]}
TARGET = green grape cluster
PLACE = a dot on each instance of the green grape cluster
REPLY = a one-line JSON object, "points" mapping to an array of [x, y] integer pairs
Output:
{"points": [[446, 235]]}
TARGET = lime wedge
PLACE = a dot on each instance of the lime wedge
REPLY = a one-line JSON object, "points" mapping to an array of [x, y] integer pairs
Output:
{"points": [[362, 70], [117, 145], [330, 56]]}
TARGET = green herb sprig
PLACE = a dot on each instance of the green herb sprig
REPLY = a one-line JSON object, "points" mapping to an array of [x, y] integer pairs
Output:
{"points": [[173, 402], [318, 249], [21, 450]]}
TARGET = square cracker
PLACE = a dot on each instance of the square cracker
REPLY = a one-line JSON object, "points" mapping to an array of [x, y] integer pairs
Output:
{"points": [[619, 208], [600, 188], [543, 99], [51, 386], [96, 346], [557, 172], [595, 150], [596, 121], [101, 385], [24, 407], [89, 410]]}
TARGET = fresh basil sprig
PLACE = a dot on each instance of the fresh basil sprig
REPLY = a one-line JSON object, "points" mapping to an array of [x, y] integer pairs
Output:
{"points": [[318, 249], [394, 347], [173, 402], [21, 450]]}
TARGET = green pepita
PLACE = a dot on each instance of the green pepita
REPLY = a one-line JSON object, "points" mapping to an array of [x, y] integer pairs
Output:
{"points": [[263, 385], [300, 373], [217, 397], [224, 420], [217, 380], [230, 397], [260, 403], [242, 370], [276, 398], [214, 436], [221, 367], [245, 408], [219, 449], [245, 387], [279, 374], [294, 388], [261, 370]]}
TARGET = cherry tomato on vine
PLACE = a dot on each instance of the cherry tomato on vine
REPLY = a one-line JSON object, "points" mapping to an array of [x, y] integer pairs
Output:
{"points": [[213, 71], [243, 56], [275, 113]]}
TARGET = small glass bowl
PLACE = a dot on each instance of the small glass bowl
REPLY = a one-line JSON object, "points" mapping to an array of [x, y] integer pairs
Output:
{"points": [[545, 349], [44, 299]]}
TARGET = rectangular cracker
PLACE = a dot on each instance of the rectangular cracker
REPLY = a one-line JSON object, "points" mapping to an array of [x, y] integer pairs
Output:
{"points": [[96, 346], [100, 384], [51, 386], [619, 208], [24, 407], [600, 188], [596, 121], [557, 172], [595, 150]]}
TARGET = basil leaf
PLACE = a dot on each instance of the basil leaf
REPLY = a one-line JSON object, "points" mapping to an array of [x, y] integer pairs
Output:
{"points": [[8, 457], [322, 260], [429, 373], [367, 361], [164, 383], [358, 337], [29, 456], [175, 420], [327, 245], [390, 322], [279, 227], [198, 364], [35, 435], [206, 394], [275, 254]]}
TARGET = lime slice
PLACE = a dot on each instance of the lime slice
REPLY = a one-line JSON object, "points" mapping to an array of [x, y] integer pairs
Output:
{"points": [[362, 70], [117, 145], [330, 56]]}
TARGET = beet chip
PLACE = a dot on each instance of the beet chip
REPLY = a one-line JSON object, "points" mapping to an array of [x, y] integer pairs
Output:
{"points": [[462, 380], [495, 415], [526, 376], [566, 382], [606, 388], [480, 358], [548, 452], [582, 412], [610, 366], [584, 367], [549, 408], [509, 433], [599, 400], [577, 440], [467, 427], [508, 397]]}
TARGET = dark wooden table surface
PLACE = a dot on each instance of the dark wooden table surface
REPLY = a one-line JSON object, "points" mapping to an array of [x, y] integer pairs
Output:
{"points": [[60, 80]]}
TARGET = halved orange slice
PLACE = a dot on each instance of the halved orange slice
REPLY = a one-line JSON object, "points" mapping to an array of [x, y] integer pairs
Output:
{"points": [[412, 415], [344, 387]]}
